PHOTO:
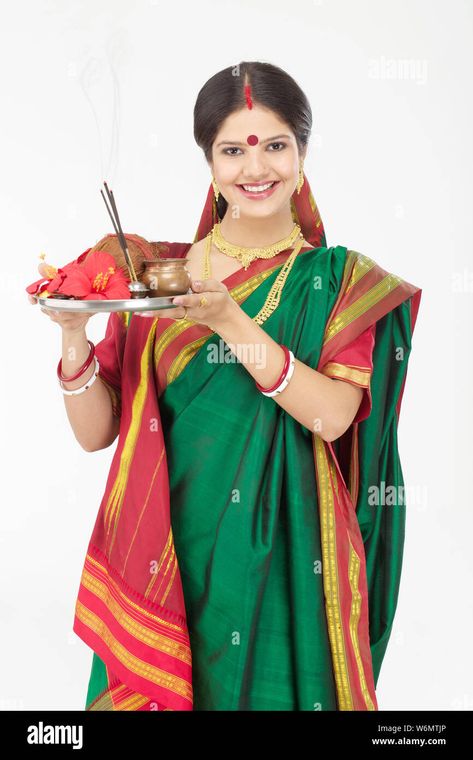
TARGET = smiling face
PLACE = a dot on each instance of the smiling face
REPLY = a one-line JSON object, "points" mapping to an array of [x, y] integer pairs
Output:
{"points": [[240, 168]]}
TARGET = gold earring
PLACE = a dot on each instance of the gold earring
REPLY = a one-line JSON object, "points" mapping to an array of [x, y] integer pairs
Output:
{"points": [[215, 187], [300, 180]]}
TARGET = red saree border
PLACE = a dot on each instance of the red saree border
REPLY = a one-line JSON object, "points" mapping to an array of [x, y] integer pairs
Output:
{"points": [[118, 697], [145, 645], [362, 301], [345, 587]]}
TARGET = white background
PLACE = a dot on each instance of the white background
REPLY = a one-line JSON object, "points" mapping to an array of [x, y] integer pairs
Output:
{"points": [[105, 89]]}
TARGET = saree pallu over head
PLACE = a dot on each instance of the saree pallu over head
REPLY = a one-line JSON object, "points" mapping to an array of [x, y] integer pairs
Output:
{"points": [[222, 435]]}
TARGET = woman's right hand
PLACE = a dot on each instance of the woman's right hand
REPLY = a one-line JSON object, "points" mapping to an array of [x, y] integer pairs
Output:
{"points": [[69, 321]]}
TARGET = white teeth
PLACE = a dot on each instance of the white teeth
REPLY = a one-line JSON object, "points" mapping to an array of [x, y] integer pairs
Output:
{"points": [[257, 188]]}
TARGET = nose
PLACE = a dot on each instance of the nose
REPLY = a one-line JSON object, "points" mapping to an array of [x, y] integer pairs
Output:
{"points": [[255, 166]]}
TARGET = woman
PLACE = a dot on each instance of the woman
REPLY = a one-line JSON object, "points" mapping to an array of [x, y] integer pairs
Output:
{"points": [[242, 558]]}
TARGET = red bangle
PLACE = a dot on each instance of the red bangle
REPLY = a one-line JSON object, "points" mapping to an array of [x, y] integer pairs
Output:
{"points": [[81, 370], [281, 376]]}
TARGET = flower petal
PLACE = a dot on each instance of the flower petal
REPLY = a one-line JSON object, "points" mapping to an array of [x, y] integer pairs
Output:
{"points": [[98, 261], [35, 287]]}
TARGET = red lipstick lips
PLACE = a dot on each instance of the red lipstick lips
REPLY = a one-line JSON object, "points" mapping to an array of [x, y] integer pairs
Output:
{"points": [[258, 194]]}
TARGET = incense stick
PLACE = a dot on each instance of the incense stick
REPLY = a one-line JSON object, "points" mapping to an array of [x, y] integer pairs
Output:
{"points": [[119, 232], [110, 214], [115, 210], [120, 235]]}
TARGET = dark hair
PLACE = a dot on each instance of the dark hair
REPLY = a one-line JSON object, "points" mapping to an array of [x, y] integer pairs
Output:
{"points": [[224, 93]]}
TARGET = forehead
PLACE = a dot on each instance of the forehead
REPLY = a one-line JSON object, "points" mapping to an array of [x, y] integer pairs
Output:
{"points": [[259, 121]]}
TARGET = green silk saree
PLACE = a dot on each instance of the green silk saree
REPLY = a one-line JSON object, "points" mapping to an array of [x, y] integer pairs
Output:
{"points": [[238, 561]]}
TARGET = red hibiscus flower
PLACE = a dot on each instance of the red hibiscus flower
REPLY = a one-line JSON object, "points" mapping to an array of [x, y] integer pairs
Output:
{"points": [[97, 278], [93, 278]]}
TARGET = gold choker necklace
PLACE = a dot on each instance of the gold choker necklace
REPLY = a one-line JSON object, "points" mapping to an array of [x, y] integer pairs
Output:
{"points": [[246, 255]]}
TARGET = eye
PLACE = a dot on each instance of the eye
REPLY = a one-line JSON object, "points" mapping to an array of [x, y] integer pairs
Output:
{"points": [[278, 143], [225, 150]]}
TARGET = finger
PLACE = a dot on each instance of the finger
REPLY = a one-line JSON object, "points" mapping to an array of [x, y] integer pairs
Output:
{"points": [[210, 285], [192, 301]]}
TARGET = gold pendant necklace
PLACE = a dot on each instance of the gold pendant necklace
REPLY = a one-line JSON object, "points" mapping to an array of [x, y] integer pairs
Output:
{"points": [[247, 255]]}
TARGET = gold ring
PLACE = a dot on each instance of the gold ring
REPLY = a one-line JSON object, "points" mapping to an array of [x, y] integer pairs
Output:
{"points": [[185, 315], [203, 301]]}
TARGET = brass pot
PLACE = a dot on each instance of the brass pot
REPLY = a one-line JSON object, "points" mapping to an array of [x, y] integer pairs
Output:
{"points": [[166, 277]]}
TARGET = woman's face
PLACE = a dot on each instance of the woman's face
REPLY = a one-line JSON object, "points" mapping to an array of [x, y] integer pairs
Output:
{"points": [[273, 159]]}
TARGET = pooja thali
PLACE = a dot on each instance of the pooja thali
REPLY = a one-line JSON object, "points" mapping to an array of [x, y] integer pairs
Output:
{"points": [[107, 305], [161, 275]]}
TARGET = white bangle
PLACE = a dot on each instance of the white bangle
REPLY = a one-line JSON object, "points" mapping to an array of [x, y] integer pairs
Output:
{"points": [[82, 388], [284, 383]]}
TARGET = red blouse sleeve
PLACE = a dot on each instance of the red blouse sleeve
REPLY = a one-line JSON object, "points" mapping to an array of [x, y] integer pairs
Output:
{"points": [[109, 352], [354, 364]]}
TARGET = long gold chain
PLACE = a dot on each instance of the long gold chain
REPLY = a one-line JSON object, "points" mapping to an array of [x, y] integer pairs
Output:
{"points": [[274, 296], [206, 273]]}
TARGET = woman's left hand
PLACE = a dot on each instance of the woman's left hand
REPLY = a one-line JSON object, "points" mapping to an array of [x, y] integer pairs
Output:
{"points": [[210, 304]]}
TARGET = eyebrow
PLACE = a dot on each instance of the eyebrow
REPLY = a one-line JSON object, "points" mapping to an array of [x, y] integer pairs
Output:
{"points": [[235, 142]]}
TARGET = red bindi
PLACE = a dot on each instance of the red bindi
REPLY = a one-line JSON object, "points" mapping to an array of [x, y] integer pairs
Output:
{"points": [[252, 140]]}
